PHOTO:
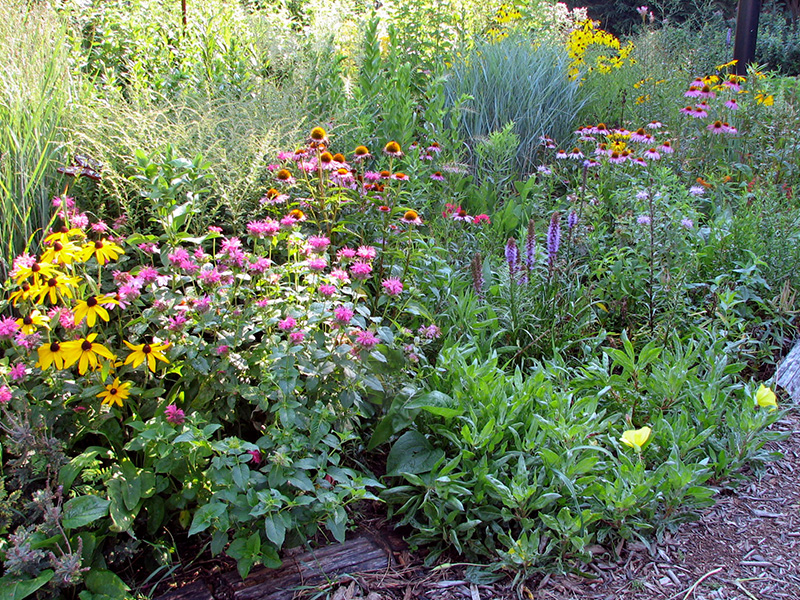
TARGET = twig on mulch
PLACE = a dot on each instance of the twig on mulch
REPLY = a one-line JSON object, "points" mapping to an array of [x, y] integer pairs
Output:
{"points": [[696, 583]]}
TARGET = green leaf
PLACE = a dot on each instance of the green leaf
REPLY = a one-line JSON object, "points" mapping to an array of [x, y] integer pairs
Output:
{"points": [[205, 515], [100, 581], [69, 472], [276, 530], [412, 453], [83, 510], [436, 403], [14, 589]]}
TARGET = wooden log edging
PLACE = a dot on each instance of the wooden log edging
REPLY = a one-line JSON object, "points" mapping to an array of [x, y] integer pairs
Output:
{"points": [[788, 375], [362, 554]]}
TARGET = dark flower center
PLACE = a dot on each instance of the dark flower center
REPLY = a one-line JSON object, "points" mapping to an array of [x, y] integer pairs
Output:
{"points": [[98, 245], [58, 246], [36, 267], [147, 349], [27, 320], [86, 345], [113, 391], [55, 347], [91, 302]]}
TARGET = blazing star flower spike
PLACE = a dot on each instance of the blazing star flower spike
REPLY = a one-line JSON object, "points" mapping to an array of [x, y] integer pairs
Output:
{"points": [[636, 438]]}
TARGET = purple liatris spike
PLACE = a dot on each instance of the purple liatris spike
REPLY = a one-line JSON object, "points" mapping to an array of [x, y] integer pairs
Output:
{"points": [[572, 220], [530, 245], [553, 238], [512, 256]]}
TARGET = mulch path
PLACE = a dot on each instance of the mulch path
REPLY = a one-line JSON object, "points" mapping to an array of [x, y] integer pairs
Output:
{"points": [[745, 547]]}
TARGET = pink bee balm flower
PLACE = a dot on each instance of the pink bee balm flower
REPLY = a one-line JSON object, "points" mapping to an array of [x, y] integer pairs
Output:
{"points": [[287, 324], [340, 275], [482, 218], [318, 243], [256, 454], [174, 415], [5, 394], [214, 229], [366, 252], [346, 254], [343, 314], [366, 339], [327, 290], [361, 270], [222, 349], [8, 327], [18, 372], [392, 286], [316, 264], [297, 336]]}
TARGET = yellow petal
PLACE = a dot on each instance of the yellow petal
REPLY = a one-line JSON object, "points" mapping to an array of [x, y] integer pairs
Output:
{"points": [[636, 438], [766, 397]]}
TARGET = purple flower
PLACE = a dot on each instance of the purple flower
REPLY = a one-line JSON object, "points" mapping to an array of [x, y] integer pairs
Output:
{"points": [[18, 372], [687, 223], [222, 349], [318, 243], [366, 339], [316, 264], [8, 327], [256, 454], [553, 238], [287, 324], [177, 322], [392, 286], [512, 255], [431, 332], [174, 415], [530, 245], [643, 220], [343, 314], [572, 220], [361, 270]]}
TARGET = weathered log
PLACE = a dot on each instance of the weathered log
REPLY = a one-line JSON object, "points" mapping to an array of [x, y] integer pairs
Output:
{"points": [[788, 376], [361, 554]]}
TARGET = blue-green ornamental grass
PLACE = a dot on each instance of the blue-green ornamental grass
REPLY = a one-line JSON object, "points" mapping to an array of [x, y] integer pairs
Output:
{"points": [[340, 269]]}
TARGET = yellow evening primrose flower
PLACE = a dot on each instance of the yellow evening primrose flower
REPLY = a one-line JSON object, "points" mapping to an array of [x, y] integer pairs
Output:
{"points": [[148, 352], [115, 392], [84, 352], [103, 250], [91, 308], [51, 354], [31, 322], [766, 397], [636, 438]]}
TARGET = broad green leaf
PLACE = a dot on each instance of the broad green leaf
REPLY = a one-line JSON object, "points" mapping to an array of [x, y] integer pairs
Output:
{"points": [[412, 453], [436, 403], [12, 588], [100, 581], [83, 510]]}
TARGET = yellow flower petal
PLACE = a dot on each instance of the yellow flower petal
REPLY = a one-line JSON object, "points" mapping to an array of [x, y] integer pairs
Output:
{"points": [[636, 438]]}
